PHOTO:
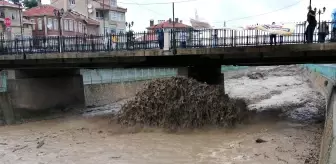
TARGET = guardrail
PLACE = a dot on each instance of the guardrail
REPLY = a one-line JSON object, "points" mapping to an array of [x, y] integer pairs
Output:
{"points": [[150, 40]]}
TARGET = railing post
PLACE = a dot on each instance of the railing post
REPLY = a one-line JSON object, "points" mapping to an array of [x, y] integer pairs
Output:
{"points": [[224, 41], [232, 38], [92, 43], [59, 44], [257, 38], [109, 40], [166, 41], [144, 42], [247, 37], [76, 43]]}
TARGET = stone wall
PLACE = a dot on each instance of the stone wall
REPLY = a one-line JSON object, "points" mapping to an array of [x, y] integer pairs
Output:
{"points": [[46, 93], [327, 87], [102, 94]]}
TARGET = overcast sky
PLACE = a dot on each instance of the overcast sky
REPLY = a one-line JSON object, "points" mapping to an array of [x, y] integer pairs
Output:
{"points": [[218, 11]]}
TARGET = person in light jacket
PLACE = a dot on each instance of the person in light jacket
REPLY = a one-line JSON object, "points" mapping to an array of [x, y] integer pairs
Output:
{"points": [[114, 41]]}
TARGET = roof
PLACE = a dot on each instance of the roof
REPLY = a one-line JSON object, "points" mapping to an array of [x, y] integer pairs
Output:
{"points": [[169, 24], [92, 22], [78, 15], [46, 10], [8, 4], [199, 24]]}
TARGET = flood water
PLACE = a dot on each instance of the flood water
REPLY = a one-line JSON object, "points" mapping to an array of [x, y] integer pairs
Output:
{"points": [[89, 140], [287, 106]]}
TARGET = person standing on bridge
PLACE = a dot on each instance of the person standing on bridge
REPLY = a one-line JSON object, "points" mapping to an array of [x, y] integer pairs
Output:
{"points": [[114, 41], [323, 31], [183, 39], [333, 26], [273, 36], [160, 34], [311, 19]]}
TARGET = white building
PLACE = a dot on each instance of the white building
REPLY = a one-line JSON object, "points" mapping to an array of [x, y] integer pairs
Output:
{"points": [[110, 16]]}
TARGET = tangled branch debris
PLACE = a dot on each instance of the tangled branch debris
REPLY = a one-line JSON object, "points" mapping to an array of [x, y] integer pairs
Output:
{"points": [[180, 102]]}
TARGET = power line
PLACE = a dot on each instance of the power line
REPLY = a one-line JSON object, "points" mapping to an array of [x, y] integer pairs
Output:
{"points": [[147, 8], [160, 3], [251, 16], [231, 20]]}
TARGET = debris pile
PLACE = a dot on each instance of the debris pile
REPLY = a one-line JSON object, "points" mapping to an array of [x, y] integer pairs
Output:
{"points": [[180, 102]]}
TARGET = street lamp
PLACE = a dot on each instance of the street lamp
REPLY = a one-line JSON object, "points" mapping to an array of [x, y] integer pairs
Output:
{"points": [[320, 12], [129, 24], [59, 14]]}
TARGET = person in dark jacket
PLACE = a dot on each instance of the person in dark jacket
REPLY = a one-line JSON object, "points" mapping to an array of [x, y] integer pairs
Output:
{"points": [[160, 34], [273, 37], [311, 19]]}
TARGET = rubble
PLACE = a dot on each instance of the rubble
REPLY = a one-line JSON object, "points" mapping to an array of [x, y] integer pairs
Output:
{"points": [[180, 102]]}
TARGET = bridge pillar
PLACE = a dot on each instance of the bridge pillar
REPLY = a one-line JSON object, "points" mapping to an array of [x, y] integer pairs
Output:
{"points": [[41, 89], [209, 74]]}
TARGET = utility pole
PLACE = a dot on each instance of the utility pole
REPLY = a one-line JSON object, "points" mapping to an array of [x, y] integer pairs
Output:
{"points": [[310, 3], [174, 39], [104, 17]]}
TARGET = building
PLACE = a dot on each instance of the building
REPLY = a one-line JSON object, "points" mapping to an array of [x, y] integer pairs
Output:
{"points": [[110, 16], [14, 13], [47, 24]]}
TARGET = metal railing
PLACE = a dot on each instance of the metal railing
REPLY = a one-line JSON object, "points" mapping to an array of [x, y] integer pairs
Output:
{"points": [[149, 40], [192, 38]]}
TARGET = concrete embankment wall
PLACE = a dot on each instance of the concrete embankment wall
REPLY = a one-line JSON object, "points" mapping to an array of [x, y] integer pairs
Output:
{"points": [[102, 94], [326, 85]]}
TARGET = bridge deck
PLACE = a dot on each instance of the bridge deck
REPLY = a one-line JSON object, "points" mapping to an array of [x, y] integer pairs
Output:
{"points": [[247, 55]]}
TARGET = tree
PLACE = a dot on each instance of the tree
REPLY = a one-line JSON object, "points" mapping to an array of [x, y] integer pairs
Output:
{"points": [[30, 3], [26, 3]]}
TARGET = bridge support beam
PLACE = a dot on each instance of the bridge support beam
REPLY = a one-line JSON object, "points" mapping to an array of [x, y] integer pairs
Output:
{"points": [[209, 74], [43, 89]]}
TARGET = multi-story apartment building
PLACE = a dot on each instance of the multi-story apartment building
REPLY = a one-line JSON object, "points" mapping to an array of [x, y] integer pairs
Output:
{"points": [[111, 17], [14, 13], [72, 23]]}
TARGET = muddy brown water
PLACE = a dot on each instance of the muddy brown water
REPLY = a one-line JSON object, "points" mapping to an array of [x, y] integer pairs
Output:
{"points": [[98, 140]]}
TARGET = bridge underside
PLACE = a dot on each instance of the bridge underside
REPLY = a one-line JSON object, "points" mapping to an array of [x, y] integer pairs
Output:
{"points": [[244, 59]]}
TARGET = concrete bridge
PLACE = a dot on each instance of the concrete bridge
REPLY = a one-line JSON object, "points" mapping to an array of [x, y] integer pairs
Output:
{"points": [[44, 73], [42, 81]]}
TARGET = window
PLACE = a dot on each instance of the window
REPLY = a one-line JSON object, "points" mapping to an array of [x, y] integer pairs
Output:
{"points": [[75, 26], [99, 14], [50, 23], [114, 3], [122, 17], [39, 24], [66, 25], [72, 2], [113, 16], [55, 24], [70, 25], [33, 21]]}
